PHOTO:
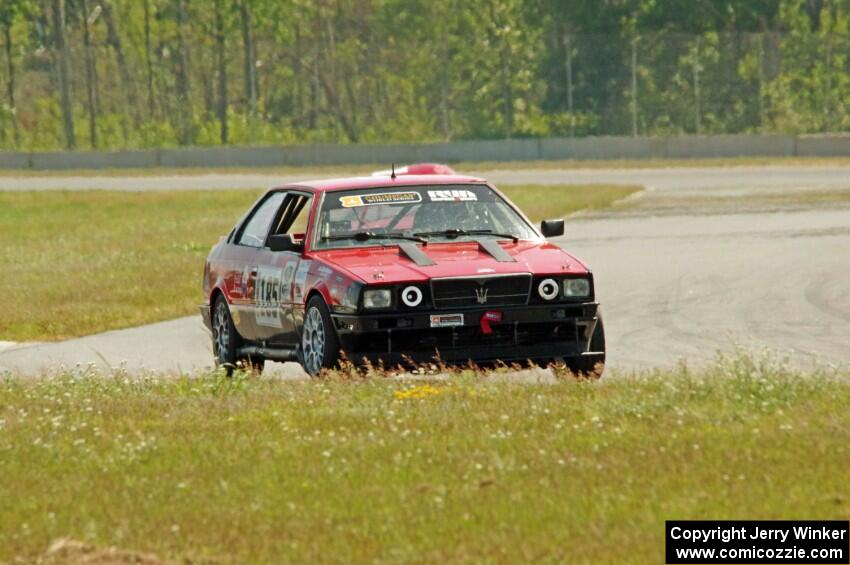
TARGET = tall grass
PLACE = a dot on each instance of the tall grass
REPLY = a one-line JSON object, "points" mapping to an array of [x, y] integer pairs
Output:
{"points": [[465, 469]]}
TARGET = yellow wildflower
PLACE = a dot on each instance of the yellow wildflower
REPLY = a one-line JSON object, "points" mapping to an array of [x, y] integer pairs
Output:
{"points": [[419, 392]]}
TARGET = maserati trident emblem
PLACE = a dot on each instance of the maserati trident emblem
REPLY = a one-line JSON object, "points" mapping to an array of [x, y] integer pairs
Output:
{"points": [[481, 295]]}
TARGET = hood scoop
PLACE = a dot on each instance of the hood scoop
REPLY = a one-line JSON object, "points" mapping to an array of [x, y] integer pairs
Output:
{"points": [[415, 254], [421, 259], [495, 250]]}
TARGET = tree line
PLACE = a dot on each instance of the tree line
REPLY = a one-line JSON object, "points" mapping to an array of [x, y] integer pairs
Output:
{"points": [[149, 73]]}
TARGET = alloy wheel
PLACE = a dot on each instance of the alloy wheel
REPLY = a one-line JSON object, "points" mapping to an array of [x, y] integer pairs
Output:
{"points": [[222, 331], [313, 341]]}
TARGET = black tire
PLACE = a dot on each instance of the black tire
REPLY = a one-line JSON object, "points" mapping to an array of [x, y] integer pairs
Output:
{"points": [[591, 367], [319, 343], [225, 338]]}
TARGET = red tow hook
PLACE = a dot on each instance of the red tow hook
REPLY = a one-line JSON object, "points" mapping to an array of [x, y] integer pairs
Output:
{"points": [[491, 316]]}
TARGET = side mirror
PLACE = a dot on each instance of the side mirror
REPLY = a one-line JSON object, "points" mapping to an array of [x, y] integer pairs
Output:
{"points": [[552, 228], [285, 242]]}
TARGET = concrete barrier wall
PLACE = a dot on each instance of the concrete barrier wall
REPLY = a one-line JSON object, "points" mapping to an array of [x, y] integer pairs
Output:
{"points": [[604, 148], [731, 146], [58, 160], [680, 147], [11, 160], [823, 146]]}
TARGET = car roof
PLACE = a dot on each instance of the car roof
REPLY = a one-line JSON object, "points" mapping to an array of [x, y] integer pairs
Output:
{"points": [[330, 185]]}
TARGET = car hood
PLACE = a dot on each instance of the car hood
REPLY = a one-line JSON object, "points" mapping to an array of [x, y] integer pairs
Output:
{"points": [[389, 264]]}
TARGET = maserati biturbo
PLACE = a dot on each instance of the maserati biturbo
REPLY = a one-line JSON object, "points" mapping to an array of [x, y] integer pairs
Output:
{"points": [[407, 266]]}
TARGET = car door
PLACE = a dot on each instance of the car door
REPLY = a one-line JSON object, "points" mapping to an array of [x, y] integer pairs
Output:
{"points": [[248, 251], [278, 272]]}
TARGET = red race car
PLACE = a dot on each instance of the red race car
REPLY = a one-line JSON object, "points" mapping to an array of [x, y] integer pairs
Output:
{"points": [[414, 265]]}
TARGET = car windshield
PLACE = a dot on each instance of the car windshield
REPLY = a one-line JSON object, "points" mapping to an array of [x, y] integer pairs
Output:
{"points": [[381, 216]]}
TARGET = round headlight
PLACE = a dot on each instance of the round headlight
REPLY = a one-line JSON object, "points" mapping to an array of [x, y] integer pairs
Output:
{"points": [[411, 296], [547, 289], [576, 288]]}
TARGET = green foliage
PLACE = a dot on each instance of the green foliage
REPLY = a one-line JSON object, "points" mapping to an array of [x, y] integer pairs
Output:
{"points": [[813, 92], [308, 71]]}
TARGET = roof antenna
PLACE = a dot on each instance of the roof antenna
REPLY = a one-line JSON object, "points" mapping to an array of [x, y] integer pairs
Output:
{"points": [[392, 175]]}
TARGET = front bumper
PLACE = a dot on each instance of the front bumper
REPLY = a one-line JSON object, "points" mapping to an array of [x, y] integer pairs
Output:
{"points": [[540, 333]]}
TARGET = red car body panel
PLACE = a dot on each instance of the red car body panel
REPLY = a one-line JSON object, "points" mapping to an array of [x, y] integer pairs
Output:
{"points": [[388, 265]]}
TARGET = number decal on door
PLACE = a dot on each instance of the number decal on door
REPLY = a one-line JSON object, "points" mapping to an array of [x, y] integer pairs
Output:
{"points": [[267, 297]]}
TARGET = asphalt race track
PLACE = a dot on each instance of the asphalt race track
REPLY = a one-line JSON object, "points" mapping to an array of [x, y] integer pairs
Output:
{"points": [[727, 181], [704, 261]]}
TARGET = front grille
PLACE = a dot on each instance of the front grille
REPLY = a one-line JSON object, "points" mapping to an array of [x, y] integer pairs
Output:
{"points": [[481, 292]]}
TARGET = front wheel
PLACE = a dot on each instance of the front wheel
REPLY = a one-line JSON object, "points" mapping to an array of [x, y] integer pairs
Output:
{"points": [[319, 343], [591, 367]]}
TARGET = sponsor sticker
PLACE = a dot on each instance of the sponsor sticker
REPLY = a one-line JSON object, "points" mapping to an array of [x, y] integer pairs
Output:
{"points": [[286, 282], [446, 320], [244, 279], [380, 198], [452, 196], [300, 282], [267, 297]]}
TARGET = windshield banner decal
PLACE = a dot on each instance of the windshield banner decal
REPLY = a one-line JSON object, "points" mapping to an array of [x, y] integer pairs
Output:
{"points": [[381, 198]]}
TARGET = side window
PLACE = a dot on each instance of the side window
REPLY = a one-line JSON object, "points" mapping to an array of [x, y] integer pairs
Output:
{"points": [[255, 232], [294, 215], [299, 224]]}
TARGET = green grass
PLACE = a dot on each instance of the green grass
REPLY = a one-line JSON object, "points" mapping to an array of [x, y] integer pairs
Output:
{"points": [[262, 471], [76, 263], [540, 202]]}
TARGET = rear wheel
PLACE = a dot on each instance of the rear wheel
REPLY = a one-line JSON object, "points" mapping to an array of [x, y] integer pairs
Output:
{"points": [[226, 342], [225, 338], [591, 367], [319, 342]]}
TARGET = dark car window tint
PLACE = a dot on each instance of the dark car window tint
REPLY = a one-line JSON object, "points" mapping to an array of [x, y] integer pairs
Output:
{"points": [[257, 229]]}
